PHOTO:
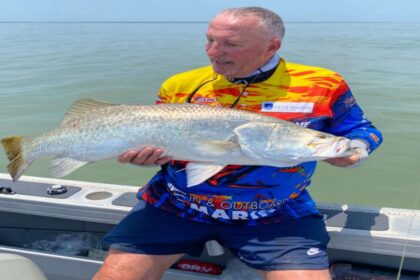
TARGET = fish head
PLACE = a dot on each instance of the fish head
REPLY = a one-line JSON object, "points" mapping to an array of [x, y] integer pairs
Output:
{"points": [[304, 144], [289, 144], [326, 145]]}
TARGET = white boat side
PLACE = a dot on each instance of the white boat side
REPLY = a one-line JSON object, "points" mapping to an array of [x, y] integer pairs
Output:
{"points": [[375, 236]]}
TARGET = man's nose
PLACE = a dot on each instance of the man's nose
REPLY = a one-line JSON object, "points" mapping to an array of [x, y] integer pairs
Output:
{"points": [[214, 49]]}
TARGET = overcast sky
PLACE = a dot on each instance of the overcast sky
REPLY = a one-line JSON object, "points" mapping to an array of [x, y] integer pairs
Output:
{"points": [[204, 10]]}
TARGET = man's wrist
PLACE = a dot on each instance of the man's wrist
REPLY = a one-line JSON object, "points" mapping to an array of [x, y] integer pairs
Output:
{"points": [[359, 144], [361, 148]]}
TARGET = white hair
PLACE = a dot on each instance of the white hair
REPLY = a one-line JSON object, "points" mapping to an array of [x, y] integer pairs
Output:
{"points": [[269, 19]]}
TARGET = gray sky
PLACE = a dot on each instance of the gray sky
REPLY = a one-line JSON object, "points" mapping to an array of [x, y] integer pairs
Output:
{"points": [[204, 10]]}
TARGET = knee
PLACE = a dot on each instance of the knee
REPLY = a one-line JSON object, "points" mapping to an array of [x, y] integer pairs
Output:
{"points": [[122, 273], [120, 265]]}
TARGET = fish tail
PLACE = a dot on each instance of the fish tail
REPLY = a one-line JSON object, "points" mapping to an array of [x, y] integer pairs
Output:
{"points": [[17, 163]]}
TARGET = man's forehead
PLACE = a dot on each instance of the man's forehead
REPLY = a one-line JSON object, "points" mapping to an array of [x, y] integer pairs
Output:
{"points": [[232, 26]]}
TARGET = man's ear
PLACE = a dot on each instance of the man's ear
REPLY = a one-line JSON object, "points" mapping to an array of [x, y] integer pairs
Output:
{"points": [[274, 46]]}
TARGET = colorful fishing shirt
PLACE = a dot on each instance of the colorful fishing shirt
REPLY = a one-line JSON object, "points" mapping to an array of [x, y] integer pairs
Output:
{"points": [[312, 97]]}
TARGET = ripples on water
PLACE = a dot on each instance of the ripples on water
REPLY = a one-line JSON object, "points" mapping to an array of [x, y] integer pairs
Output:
{"points": [[46, 67]]}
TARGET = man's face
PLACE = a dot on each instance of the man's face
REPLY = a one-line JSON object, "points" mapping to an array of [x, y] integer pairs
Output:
{"points": [[238, 47]]}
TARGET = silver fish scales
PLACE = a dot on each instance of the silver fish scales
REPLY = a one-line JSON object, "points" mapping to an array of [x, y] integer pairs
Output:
{"points": [[208, 137]]}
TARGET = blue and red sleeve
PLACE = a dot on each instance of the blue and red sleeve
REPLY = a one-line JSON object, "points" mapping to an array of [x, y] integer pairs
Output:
{"points": [[348, 119]]}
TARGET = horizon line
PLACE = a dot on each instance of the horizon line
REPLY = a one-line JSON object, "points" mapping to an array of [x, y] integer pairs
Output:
{"points": [[201, 22]]}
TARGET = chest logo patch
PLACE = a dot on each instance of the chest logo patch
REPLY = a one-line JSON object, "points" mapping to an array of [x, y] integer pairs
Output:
{"points": [[288, 107]]}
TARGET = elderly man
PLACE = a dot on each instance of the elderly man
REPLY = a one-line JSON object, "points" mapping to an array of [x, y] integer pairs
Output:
{"points": [[263, 214]]}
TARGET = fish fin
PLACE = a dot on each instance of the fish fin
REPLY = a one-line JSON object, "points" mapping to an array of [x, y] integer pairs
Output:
{"points": [[13, 148], [82, 106], [61, 167], [217, 148], [247, 150], [197, 172]]}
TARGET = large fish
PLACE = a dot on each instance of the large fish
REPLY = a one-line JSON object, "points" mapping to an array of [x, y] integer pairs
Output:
{"points": [[208, 137]]}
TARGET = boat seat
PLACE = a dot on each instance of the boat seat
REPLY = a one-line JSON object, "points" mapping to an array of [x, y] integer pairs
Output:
{"points": [[16, 267]]}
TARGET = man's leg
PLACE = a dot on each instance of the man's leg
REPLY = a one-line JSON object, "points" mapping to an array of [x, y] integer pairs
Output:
{"points": [[120, 265], [148, 241], [293, 249], [323, 274]]}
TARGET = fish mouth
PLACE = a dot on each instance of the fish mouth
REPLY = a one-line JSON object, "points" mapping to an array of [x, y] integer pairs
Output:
{"points": [[340, 147]]}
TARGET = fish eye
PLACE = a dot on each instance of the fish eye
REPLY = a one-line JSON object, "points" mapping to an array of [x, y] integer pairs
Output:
{"points": [[322, 136]]}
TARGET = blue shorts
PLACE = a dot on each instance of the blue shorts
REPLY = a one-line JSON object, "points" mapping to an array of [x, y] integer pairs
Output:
{"points": [[292, 244]]}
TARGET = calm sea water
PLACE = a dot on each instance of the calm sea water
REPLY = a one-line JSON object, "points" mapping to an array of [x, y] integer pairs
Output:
{"points": [[44, 68]]}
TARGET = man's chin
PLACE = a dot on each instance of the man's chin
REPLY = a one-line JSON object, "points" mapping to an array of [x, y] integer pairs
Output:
{"points": [[224, 73], [222, 70]]}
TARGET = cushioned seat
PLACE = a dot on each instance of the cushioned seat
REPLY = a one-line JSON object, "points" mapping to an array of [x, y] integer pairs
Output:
{"points": [[16, 267]]}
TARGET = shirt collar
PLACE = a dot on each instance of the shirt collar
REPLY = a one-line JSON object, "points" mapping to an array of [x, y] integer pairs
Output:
{"points": [[272, 63], [261, 74]]}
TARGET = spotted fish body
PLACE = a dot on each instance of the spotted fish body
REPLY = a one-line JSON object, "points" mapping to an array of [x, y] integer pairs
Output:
{"points": [[208, 137]]}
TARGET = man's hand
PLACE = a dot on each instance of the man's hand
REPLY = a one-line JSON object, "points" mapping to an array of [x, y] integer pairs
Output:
{"points": [[146, 156], [358, 157], [344, 161]]}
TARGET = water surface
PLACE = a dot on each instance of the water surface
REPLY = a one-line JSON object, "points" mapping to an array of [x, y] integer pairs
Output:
{"points": [[44, 68]]}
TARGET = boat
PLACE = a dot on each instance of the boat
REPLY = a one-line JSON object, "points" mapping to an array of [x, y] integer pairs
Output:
{"points": [[48, 222]]}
